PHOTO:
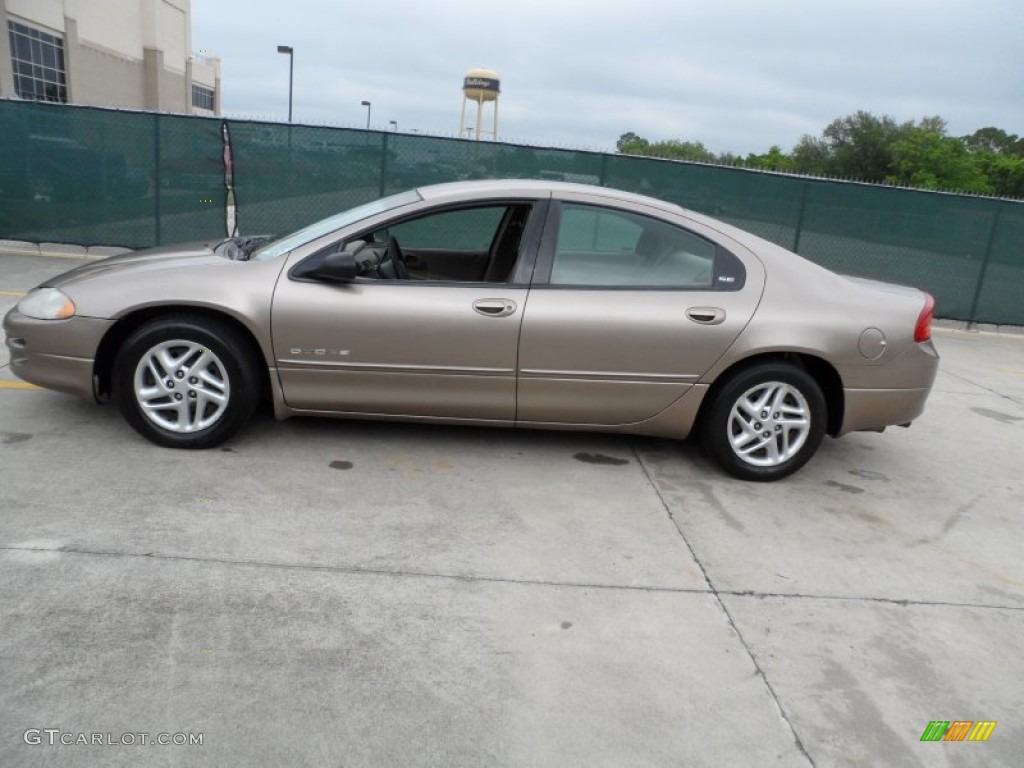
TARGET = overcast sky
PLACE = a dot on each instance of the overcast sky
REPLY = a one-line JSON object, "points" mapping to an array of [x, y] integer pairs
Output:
{"points": [[737, 75]]}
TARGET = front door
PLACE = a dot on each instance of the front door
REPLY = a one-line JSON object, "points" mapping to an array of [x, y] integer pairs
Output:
{"points": [[440, 343]]}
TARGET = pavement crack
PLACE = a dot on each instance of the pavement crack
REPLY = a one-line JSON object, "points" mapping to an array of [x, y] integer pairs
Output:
{"points": [[356, 570], [902, 602], [964, 379], [409, 573], [725, 610]]}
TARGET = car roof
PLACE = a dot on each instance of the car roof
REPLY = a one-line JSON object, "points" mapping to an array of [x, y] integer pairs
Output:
{"points": [[536, 188]]}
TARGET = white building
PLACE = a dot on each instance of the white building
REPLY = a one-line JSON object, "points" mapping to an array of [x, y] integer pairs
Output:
{"points": [[112, 53]]}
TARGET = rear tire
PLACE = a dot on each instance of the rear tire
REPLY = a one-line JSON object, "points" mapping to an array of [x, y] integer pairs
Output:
{"points": [[186, 382], [765, 422]]}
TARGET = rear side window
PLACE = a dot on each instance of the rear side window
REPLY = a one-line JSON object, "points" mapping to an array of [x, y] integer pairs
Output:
{"points": [[604, 247], [594, 230]]}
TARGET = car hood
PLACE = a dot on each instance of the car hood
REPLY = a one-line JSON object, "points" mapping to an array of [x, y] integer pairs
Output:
{"points": [[148, 260]]}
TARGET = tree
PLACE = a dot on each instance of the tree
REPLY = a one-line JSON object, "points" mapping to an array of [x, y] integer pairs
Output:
{"points": [[1005, 172], [860, 146], [772, 160], [995, 140], [631, 144], [811, 155], [879, 150], [674, 149], [926, 158]]}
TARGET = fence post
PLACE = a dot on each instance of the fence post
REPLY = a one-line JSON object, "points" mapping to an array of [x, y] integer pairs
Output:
{"points": [[973, 314], [800, 217], [383, 163], [157, 181], [604, 170]]}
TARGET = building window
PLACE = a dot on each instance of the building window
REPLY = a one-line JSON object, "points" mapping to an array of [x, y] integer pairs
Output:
{"points": [[37, 59], [202, 97]]}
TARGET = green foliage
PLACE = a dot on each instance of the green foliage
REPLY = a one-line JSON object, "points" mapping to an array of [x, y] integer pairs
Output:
{"points": [[631, 144], [811, 155], [681, 150], [772, 160], [928, 159], [860, 146], [1005, 172], [879, 150], [995, 140]]}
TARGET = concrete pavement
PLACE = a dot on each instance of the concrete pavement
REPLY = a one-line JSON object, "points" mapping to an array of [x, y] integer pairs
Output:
{"points": [[362, 594]]}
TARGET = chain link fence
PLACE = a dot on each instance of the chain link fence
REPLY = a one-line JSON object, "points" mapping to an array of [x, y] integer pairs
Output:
{"points": [[95, 176]]}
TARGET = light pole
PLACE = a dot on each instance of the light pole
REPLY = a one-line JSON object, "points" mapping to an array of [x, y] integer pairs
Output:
{"points": [[291, 74], [394, 125], [368, 107]]}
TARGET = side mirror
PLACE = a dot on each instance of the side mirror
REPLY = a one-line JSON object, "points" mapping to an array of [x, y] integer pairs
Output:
{"points": [[333, 268]]}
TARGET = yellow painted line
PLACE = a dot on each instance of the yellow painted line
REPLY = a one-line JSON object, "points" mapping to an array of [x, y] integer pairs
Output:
{"points": [[17, 385], [1016, 371], [12, 293]]}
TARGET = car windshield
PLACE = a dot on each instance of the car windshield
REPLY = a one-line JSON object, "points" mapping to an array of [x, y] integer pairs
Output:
{"points": [[320, 228]]}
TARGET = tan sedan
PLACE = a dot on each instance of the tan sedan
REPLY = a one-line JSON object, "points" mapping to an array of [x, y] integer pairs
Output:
{"points": [[506, 303]]}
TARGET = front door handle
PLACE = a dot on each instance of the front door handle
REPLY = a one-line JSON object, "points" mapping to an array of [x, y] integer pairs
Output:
{"points": [[706, 315], [495, 307]]}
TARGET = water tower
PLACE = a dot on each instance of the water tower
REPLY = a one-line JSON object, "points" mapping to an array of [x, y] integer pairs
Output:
{"points": [[481, 86]]}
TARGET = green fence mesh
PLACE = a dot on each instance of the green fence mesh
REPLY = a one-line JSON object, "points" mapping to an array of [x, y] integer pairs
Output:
{"points": [[97, 176], [81, 175]]}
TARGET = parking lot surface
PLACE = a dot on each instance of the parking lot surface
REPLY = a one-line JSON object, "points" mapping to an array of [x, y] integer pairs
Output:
{"points": [[322, 592]]}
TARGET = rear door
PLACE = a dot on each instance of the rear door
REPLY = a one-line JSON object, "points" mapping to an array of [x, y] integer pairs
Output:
{"points": [[630, 306]]}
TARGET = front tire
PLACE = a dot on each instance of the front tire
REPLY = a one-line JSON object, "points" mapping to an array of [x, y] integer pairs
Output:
{"points": [[186, 382], [765, 422]]}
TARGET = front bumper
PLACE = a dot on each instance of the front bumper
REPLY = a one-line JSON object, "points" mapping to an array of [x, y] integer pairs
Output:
{"points": [[55, 354]]}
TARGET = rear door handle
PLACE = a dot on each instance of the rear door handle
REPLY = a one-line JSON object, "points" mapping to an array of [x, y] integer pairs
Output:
{"points": [[706, 315], [494, 307]]}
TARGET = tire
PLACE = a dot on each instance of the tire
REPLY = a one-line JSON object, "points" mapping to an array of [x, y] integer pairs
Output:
{"points": [[207, 388], [738, 420]]}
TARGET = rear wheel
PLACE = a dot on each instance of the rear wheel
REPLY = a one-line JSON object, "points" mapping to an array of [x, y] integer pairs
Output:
{"points": [[765, 422], [186, 382]]}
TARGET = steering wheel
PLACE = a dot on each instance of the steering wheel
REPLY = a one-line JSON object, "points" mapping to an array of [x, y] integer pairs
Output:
{"points": [[394, 255]]}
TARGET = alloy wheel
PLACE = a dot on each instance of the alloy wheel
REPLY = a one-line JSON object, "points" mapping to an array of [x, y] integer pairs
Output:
{"points": [[182, 386], [769, 424]]}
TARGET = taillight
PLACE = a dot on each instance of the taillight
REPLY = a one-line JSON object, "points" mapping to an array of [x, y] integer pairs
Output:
{"points": [[923, 329]]}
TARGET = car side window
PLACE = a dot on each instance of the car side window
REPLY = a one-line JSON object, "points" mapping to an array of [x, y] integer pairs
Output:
{"points": [[474, 244], [605, 247], [468, 230]]}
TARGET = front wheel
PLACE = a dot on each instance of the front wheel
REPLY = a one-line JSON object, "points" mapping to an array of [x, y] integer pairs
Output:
{"points": [[765, 422], [185, 382]]}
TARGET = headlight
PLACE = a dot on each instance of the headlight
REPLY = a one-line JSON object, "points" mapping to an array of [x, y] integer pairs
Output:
{"points": [[47, 304]]}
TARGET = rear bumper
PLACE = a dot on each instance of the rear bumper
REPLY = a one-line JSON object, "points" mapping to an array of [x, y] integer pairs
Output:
{"points": [[873, 409], [875, 397]]}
